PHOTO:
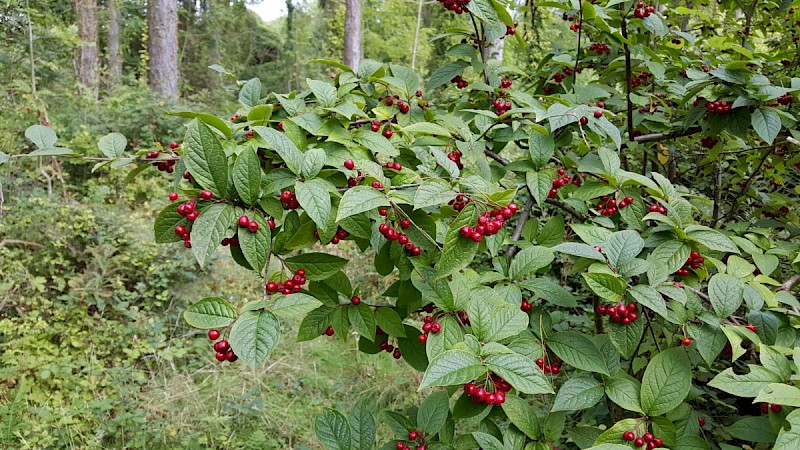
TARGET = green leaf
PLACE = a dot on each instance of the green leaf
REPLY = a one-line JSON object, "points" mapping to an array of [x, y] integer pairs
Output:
{"points": [[113, 145], [389, 321], [577, 393], [539, 183], [376, 143], [318, 266], [247, 176], [453, 367], [605, 285], [314, 197], [360, 199], [779, 393], [451, 334], [578, 249], [432, 413], [625, 338], [649, 297], [324, 92], [254, 336], [362, 426], [413, 350], [403, 78], [208, 119], [540, 148], [767, 124], [285, 306], [529, 260], [745, 385], [211, 312], [623, 246], [578, 351], [711, 238], [666, 382], [205, 158], [209, 229], [655, 25], [256, 246], [260, 114], [432, 289], [332, 63], [494, 319], [725, 294], [753, 429], [363, 320], [165, 223], [458, 251], [520, 373], [487, 441], [333, 430], [315, 323], [313, 161], [427, 128], [671, 254], [433, 193], [250, 93], [550, 292], [445, 73], [625, 391], [522, 415], [283, 146], [41, 136], [789, 438]]}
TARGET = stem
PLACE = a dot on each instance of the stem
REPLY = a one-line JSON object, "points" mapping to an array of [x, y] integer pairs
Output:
{"points": [[628, 75], [565, 207], [652, 137], [598, 319], [746, 186], [652, 331], [788, 284], [717, 194], [526, 212], [497, 157], [578, 53]]}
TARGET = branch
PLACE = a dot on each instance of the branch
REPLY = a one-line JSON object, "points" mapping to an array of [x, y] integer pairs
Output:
{"points": [[746, 186], [628, 75], [497, 157], [6, 242], [565, 207], [789, 284], [526, 212], [652, 137]]}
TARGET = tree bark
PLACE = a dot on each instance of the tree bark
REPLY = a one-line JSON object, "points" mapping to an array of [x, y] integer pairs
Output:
{"points": [[352, 33], [114, 57], [162, 25], [86, 60]]}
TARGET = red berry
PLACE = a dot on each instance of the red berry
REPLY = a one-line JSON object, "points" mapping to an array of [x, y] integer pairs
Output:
{"points": [[751, 327], [525, 306], [213, 334], [628, 436], [206, 195], [388, 133], [252, 226], [776, 408], [598, 114], [396, 354], [173, 145], [356, 300], [349, 164], [230, 356], [601, 105], [180, 229], [584, 121], [476, 236], [221, 356], [173, 196], [422, 338], [436, 328], [222, 346], [686, 341], [377, 185], [648, 437], [413, 435], [639, 442], [658, 442], [701, 421], [383, 211], [244, 221], [405, 223], [416, 251]]}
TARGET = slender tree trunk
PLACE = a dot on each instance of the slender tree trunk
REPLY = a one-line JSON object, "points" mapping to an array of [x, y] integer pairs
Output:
{"points": [[352, 33], [162, 25], [494, 50], [86, 60], [114, 56]]}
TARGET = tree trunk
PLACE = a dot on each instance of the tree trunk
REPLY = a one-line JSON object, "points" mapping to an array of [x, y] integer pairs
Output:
{"points": [[352, 33], [114, 57], [86, 58], [494, 50], [162, 45]]}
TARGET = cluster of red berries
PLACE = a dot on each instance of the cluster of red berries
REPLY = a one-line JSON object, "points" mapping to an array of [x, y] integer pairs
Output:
{"points": [[567, 18], [611, 206], [599, 48], [657, 208], [389, 348], [238, 118], [718, 107], [223, 349], [183, 233], [489, 223], [708, 142], [646, 439], [643, 11], [505, 83], [189, 210], [525, 305], [413, 437], [478, 394], [459, 82], [463, 317], [375, 126], [289, 200], [251, 225], [401, 238], [785, 99], [693, 262], [751, 327], [429, 326], [167, 165], [460, 201], [341, 234], [558, 77], [620, 313], [766, 407], [500, 106], [455, 156], [554, 367], [232, 241], [575, 26], [641, 79], [457, 6], [292, 285], [510, 31], [560, 182], [394, 166]]}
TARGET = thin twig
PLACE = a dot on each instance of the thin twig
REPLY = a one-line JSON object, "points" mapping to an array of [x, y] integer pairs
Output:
{"points": [[788, 284], [652, 137], [526, 212], [652, 331], [735, 205], [6, 242], [496, 157], [565, 207]]}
